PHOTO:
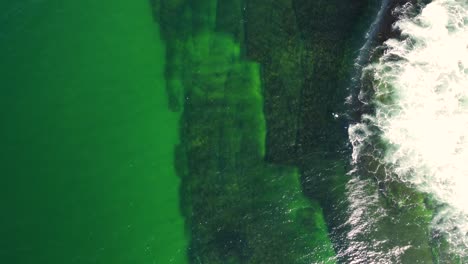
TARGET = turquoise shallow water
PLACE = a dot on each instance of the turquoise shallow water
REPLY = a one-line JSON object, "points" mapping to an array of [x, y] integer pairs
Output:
{"points": [[87, 140]]}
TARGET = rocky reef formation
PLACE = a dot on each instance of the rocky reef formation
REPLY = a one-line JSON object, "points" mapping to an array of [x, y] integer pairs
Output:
{"points": [[238, 207]]}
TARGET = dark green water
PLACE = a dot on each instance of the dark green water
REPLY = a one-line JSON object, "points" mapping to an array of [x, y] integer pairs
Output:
{"points": [[87, 139]]}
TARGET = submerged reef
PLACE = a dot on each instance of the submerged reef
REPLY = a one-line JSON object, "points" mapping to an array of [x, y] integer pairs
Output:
{"points": [[264, 151], [238, 207]]}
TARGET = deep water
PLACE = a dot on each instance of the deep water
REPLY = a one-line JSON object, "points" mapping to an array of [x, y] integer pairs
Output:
{"points": [[241, 131]]}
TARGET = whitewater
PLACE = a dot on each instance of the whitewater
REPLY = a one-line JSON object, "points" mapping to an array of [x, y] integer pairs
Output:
{"points": [[420, 114]]}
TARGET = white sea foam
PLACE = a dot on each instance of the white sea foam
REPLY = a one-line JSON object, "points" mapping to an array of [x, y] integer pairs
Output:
{"points": [[421, 98]]}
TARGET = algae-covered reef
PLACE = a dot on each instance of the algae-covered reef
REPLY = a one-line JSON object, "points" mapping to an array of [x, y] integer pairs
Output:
{"points": [[238, 207], [261, 86]]}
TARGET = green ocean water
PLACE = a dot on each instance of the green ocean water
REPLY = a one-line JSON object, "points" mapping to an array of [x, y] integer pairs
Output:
{"points": [[87, 139]]}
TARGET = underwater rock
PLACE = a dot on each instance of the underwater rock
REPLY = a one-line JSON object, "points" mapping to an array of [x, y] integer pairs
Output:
{"points": [[238, 208], [272, 39], [303, 49]]}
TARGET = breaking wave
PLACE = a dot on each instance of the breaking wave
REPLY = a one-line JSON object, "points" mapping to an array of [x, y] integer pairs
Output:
{"points": [[419, 98]]}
